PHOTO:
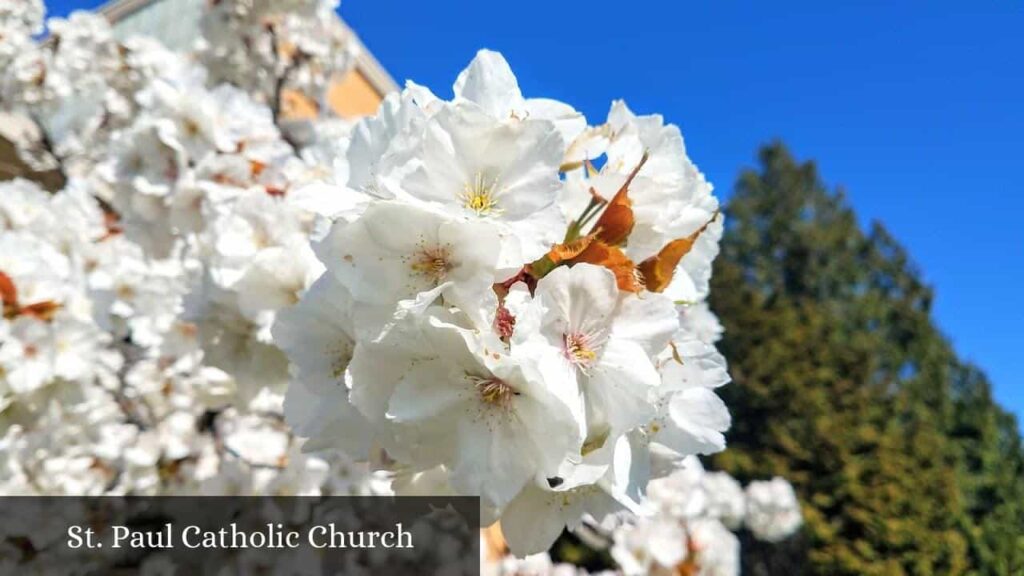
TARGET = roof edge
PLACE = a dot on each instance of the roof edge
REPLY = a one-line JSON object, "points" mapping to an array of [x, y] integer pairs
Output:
{"points": [[116, 10], [369, 65]]}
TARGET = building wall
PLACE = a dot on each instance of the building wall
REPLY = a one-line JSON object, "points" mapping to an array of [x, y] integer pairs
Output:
{"points": [[354, 96], [174, 22]]}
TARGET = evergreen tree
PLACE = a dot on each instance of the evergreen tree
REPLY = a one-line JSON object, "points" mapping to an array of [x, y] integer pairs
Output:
{"points": [[992, 475], [844, 385]]}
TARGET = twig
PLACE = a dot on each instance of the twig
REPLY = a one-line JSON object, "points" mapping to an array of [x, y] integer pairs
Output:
{"points": [[47, 142], [280, 82]]}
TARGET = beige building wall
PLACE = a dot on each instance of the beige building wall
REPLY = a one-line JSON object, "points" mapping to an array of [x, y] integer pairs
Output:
{"points": [[354, 96]]}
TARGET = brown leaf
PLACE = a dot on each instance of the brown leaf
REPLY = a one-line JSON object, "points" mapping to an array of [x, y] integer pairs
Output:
{"points": [[42, 310], [561, 252], [656, 272], [8, 291], [615, 224], [614, 259], [256, 168], [558, 254], [112, 222], [11, 308]]}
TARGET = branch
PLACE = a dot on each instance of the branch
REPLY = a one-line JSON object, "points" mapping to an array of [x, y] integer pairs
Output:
{"points": [[47, 143], [280, 82]]}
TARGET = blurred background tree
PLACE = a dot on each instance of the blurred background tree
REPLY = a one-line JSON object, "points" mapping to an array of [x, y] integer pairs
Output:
{"points": [[844, 385]]}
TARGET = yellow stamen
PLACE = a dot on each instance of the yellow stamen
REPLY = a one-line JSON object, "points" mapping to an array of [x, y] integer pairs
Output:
{"points": [[478, 196], [433, 263], [578, 350], [493, 391]]}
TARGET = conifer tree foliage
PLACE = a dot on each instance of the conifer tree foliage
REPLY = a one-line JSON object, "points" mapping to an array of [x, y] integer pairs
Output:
{"points": [[903, 462], [990, 449]]}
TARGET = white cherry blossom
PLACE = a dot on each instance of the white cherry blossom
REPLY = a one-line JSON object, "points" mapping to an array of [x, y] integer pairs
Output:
{"points": [[773, 512], [503, 174], [398, 252]]}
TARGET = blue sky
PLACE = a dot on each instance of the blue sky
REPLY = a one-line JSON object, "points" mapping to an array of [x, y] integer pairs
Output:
{"points": [[916, 108]]}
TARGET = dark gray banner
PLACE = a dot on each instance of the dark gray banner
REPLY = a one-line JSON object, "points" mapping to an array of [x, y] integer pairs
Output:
{"points": [[222, 536]]}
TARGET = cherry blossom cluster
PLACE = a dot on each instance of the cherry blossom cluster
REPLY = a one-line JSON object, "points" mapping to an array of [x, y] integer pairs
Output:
{"points": [[20, 20], [79, 87], [687, 524], [82, 85], [513, 306], [135, 354], [484, 296], [104, 387]]}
